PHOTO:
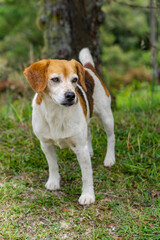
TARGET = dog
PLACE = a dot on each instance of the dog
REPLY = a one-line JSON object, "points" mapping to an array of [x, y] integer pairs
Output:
{"points": [[67, 94]]}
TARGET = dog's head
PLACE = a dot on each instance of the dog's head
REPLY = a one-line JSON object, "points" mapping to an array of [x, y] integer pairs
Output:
{"points": [[57, 78]]}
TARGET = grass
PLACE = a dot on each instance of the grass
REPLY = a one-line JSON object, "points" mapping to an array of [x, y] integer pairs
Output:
{"points": [[142, 98], [127, 195]]}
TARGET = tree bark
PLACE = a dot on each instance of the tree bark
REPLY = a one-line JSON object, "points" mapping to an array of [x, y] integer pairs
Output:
{"points": [[69, 26]]}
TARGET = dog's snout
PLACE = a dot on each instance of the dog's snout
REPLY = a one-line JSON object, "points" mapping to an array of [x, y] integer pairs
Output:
{"points": [[70, 96]]}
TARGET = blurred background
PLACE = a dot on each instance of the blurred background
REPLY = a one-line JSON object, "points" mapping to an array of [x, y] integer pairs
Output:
{"points": [[123, 37]]}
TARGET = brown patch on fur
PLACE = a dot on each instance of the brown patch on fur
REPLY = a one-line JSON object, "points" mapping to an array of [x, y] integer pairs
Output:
{"points": [[81, 73], [60, 67], [90, 66], [89, 82], [82, 101], [39, 98], [36, 75]]}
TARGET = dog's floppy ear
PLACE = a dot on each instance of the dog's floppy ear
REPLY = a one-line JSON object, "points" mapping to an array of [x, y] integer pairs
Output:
{"points": [[81, 74], [36, 75]]}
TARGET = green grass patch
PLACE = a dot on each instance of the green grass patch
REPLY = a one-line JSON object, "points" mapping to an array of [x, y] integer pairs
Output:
{"points": [[142, 98], [127, 195]]}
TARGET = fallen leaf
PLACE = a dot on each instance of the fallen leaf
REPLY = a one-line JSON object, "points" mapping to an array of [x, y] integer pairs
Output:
{"points": [[101, 218], [110, 225], [66, 210], [154, 194]]}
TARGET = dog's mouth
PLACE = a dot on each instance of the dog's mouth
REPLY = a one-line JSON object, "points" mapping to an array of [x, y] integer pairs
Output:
{"points": [[67, 104], [64, 103]]}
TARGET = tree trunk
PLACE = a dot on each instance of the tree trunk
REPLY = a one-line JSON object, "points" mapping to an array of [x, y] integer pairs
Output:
{"points": [[70, 25]]}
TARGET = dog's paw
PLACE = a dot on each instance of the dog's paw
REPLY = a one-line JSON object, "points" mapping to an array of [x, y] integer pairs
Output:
{"points": [[52, 184], [109, 160], [86, 199]]}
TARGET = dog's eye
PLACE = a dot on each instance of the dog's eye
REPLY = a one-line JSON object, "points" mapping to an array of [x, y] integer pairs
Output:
{"points": [[55, 79], [74, 80]]}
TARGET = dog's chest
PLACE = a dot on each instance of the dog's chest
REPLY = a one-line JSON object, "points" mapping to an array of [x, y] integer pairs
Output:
{"points": [[60, 132], [63, 127]]}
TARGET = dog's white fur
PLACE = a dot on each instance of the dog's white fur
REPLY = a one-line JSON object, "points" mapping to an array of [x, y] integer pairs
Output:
{"points": [[54, 124]]}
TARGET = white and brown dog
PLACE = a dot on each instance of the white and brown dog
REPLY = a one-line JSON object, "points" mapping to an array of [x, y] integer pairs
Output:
{"points": [[67, 94]]}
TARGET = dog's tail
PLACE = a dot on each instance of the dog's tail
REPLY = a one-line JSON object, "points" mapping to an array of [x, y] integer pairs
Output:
{"points": [[85, 57]]}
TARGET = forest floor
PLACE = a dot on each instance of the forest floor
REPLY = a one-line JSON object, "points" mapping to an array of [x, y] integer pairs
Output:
{"points": [[127, 195]]}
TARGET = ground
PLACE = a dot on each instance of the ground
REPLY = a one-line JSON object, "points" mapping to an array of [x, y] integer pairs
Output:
{"points": [[127, 195]]}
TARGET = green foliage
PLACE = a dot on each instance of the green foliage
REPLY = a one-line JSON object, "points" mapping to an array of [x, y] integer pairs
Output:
{"points": [[125, 36], [19, 36], [140, 99]]}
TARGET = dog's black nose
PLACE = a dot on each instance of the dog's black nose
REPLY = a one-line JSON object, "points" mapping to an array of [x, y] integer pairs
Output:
{"points": [[69, 96]]}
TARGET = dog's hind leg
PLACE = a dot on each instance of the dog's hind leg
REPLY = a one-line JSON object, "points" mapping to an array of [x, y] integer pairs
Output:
{"points": [[53, 182], [102, 108], [108, 123]]}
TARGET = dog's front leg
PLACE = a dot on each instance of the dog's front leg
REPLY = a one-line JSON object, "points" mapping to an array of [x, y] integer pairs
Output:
{"points": [[53, 182], [83, 156]]}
